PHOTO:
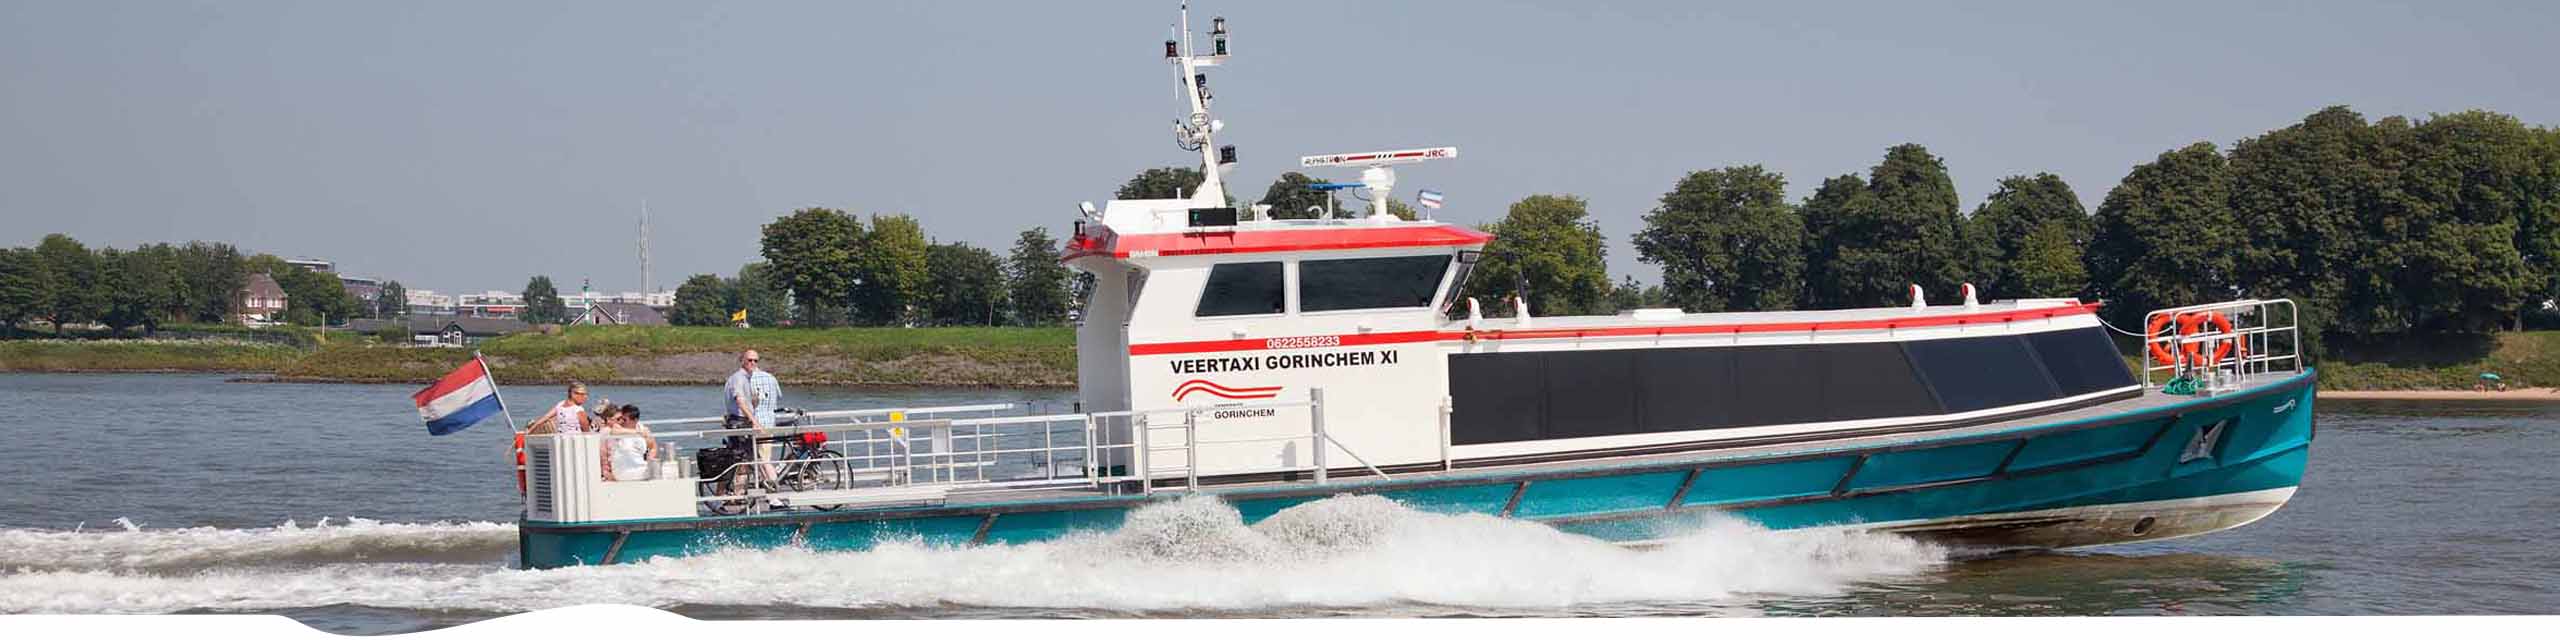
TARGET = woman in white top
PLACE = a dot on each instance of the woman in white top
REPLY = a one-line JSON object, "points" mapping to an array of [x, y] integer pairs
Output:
{"points": [[568, 416], [630, 449]]}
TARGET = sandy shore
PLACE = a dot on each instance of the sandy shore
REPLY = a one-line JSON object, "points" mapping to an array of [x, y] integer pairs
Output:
{"points": [[2546, 394]]}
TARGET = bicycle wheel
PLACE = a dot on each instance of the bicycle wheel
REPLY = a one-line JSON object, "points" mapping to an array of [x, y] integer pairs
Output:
{"points": [[730, 507], [821, 469]]}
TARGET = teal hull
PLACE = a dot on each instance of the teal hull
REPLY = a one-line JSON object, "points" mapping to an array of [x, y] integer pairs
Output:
{"points": [[2148, 474]]}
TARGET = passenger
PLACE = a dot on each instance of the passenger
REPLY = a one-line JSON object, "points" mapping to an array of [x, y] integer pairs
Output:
{"points": [[747, 402], [632, 452], [568, 416]]}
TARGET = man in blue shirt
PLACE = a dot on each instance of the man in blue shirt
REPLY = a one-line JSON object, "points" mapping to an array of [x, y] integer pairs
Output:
{"points": [[748, 401]]}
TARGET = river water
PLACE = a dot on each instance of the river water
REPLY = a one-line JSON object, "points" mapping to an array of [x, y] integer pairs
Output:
{"points": [[331, 505]]}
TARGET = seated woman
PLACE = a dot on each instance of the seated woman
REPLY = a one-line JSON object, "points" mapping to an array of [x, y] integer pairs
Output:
{"points": [[631, 451]]}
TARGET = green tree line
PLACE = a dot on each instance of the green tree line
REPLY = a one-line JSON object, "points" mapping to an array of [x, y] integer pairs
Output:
{"points": [[2378, 229], [64, 283], [826, 267]]}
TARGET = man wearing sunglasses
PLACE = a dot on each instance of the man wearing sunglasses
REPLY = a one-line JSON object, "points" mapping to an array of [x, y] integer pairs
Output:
{"points": [[749, 399]]}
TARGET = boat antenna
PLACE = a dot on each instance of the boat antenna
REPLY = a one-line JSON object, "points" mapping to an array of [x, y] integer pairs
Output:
{"points": [[1195, 132]]}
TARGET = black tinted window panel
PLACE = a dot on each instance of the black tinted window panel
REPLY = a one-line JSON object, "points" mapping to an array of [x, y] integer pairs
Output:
{"points": [[1369, 283], [1981, 373], [1776, 385], [2081, 360], [1242, 289], [1496, 397], [1871, 380], [1590, 393], [1684, 389]]}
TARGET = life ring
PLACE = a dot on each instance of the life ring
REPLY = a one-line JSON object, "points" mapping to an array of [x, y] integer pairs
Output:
{"points": [[2159, 350], [2223, 345], [519, 463]]}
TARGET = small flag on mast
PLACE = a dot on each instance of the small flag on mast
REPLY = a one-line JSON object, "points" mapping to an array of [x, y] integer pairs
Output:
{"points": [[459, 399], [1430, 199], [740, 316]]}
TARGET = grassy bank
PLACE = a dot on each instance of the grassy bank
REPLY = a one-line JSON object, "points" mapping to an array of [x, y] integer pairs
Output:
{"points": [[145, 355], [1001, 356], [1004, 356], [2524, 359]]}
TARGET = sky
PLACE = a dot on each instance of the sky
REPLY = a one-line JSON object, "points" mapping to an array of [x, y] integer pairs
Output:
{"points": [[466, 146]]}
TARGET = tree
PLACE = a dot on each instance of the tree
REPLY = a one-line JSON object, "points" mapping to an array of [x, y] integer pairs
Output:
{"points": [[1036, 282], [1626, 296], [393, 301], [142, 287], [2466, 269], [968, 285], [1727, 241], [2047, 263], [312, 298], [1549, 244], [26, 287], [1293, 197], [1398, 209], [2005, 229], [754, 290], [1842, 268], [1161, 183], [813, 254], [892, 267], [1921, 227], [212, 274], [77, 297], [2304, 198], [542, 304], [702, 301], [2165, 236]]}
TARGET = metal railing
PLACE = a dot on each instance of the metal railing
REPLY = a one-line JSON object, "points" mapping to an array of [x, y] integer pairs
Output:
{"points": [[2263, 337], [876, 453], [1189, 443]]}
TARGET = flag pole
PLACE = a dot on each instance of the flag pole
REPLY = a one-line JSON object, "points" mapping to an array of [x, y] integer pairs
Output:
{"points": [[493, 390]]}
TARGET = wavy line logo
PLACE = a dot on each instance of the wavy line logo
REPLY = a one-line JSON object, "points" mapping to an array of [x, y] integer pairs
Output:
{"points": [[1195, 385]]}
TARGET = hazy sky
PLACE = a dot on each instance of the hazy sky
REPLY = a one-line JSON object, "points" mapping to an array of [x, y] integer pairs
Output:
{"points": [[467, 146]]}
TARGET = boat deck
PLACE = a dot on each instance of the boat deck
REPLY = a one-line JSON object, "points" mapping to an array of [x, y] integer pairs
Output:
{"points": [[2148, 400]]}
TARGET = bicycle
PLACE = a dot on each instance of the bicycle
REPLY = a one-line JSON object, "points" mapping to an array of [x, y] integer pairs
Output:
{"points": [[805, 464]]}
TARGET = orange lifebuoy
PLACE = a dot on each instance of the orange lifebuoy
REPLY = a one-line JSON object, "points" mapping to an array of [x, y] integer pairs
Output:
{"points": [[2159, 350], [2223, 345]]}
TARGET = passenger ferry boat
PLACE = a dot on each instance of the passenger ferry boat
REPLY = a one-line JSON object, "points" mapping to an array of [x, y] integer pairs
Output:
{"points": [[1272, 363]]}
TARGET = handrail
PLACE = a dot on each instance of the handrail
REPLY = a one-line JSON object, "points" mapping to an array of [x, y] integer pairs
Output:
{"points": [[979, 452], [2255, 325]]}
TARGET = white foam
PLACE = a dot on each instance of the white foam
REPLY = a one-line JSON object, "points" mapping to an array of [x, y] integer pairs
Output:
{"points": [[134, 547], [1193, 554]]}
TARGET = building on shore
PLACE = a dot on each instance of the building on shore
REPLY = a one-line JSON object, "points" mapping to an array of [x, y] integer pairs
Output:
{"points": [[260, 301], [489, 304], [428, 302], [445, 330], [621, 314]]}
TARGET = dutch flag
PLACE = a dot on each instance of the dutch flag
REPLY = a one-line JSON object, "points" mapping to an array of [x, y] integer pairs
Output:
{"points": [[459, 399], [1430, 199]]}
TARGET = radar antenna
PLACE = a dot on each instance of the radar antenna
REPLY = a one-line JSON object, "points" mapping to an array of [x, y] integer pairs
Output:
{"points": [[1378, 169]]}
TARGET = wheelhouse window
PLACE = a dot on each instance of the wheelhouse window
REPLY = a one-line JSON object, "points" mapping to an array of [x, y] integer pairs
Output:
{"points": [[1369, 283], [1243, 289]]}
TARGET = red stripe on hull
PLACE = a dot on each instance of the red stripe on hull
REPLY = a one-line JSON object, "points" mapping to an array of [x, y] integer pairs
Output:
{"points": [[1360, 339]]}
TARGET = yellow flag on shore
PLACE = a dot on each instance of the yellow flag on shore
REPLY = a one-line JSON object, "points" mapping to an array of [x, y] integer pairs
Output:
{"points": [[740, 316]]}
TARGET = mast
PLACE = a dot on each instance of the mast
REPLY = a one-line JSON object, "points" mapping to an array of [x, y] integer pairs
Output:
{"points": [[647, 284], [1197, 131]]}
